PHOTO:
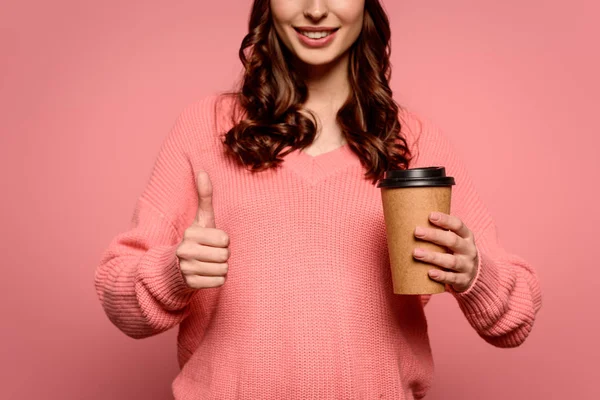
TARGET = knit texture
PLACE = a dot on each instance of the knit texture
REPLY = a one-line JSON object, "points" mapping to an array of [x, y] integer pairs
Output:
{"points": [[308, 310]]}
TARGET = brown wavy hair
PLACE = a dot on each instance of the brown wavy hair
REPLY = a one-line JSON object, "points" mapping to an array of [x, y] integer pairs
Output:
{"points": [[269, 99]]}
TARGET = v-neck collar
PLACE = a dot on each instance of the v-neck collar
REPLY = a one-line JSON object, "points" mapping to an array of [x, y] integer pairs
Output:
{"points": [[314, 169]]}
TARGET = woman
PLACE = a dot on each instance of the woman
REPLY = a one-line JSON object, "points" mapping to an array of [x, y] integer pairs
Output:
{"points": [[261, 231]]}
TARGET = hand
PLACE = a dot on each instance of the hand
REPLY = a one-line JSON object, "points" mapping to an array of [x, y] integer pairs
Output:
{"points": [[204, 250], [460, 241]]}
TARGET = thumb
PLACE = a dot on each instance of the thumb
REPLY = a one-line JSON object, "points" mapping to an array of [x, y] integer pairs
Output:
{"points": [[205, 215]]}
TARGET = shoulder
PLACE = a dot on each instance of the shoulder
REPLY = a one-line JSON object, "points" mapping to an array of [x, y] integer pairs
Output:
{"points": [[206, 117], [414, 127], [211, 110], [423, 135], [411, 123]]}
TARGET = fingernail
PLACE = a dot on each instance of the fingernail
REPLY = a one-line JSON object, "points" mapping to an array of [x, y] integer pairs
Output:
{"points": [[433, 273], [434, 216], [419, 231], [419, 252]]}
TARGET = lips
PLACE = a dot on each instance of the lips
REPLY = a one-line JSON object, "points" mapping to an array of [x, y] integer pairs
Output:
{"points": [[315, 37], [315, 33], [328, 29]]}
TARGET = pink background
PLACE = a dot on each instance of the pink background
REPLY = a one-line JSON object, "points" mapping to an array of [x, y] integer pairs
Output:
{"points": [[90, 89]]}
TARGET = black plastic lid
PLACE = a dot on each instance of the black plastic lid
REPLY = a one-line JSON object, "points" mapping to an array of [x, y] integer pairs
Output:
{"points": [[416, 177]]}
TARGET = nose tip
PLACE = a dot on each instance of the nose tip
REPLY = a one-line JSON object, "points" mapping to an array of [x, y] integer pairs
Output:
{"points": [[315, 14]]}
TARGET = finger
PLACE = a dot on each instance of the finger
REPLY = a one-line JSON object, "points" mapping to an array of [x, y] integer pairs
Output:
{"points": [[201, 282], [442, 237], [195, 267], [451, 222], [193, 251], [444, 260], [205, 217], [206, 236], [457, 280]]}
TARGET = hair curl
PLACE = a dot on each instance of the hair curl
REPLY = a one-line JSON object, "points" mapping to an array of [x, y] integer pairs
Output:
{"points": [[272, 94]]}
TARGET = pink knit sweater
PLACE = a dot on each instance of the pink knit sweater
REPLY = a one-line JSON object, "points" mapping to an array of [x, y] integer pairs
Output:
{"points": [[308, 310]]}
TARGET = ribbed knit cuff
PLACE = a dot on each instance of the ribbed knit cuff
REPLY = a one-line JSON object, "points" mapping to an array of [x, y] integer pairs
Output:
{"points": [[160, 274], [482, 295]]}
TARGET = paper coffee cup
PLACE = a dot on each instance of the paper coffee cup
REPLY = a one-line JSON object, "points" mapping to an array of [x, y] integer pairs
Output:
{"points": [[408, 197]]}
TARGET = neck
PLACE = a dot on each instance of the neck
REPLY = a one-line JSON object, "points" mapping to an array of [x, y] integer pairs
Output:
{"points": [[328, 84]]}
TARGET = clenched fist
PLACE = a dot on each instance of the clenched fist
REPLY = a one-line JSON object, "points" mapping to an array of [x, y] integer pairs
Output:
{"points": [[204, 250]]}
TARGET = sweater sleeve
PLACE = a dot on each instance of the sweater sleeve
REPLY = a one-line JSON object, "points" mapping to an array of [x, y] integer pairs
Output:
{"points": [[502, 301], [138, 280]]}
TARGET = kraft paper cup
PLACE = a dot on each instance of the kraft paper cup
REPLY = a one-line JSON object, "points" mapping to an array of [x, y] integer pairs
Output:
{"points": [[408, 197]]}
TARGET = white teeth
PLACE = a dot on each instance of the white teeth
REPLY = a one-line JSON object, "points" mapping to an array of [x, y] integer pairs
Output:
{"points": [[316, 35]]}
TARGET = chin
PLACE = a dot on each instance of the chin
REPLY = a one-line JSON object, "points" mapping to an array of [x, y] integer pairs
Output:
{"points": [[316, 62], [317, 59]]}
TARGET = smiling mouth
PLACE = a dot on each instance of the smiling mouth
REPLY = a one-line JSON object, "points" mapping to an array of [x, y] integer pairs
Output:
{"points": [[316, 34]]}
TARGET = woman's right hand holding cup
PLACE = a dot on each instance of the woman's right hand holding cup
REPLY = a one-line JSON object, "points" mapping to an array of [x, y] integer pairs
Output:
{"points": [[204, 250]]}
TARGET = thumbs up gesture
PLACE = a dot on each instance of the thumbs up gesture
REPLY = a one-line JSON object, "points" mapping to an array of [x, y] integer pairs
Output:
{"points": [[204, 250]]}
